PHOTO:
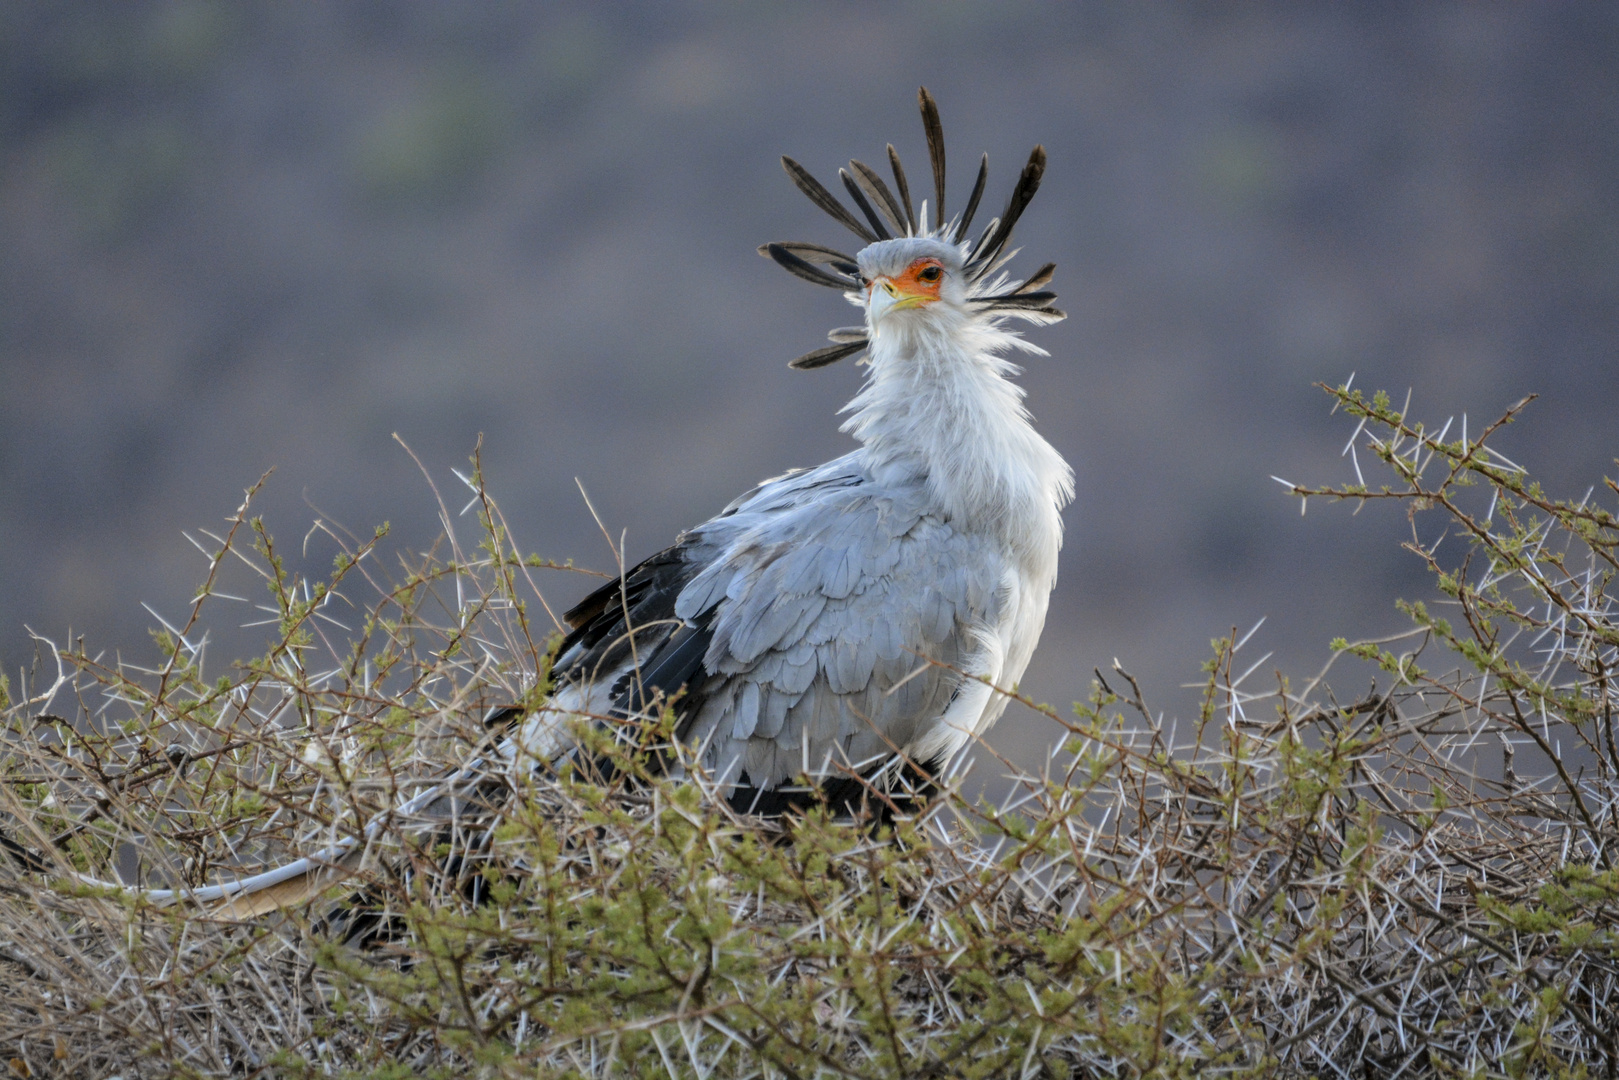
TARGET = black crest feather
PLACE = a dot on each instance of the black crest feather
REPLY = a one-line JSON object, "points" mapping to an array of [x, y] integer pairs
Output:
{"points": [[817, 253], [972, 202], [1012, 301], [904, 188], [859, 198], [935, 133], [1027, 295], [829, 355], [873, 185], [825, 199], [1040, 277], [1028, 183], [805, 269]]}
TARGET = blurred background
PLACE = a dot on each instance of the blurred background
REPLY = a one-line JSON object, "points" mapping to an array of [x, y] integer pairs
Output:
{"points": [[236, 236]]}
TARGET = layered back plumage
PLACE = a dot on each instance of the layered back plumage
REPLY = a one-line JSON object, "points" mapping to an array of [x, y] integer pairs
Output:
{"points": [[889, 216]]}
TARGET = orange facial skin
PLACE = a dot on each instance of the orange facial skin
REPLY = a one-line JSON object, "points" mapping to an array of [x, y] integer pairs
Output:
{"points": [[917, 285]]}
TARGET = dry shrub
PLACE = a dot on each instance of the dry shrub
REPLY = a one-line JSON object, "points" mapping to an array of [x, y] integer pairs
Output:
{"points": [[1419, 880]]}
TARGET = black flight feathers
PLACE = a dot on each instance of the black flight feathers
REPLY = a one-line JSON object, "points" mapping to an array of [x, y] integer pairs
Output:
{"points": [[888, 213]]}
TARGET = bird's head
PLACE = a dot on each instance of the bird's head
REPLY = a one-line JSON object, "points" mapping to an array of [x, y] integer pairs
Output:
{"points": [[908, 269], [910, 274]]}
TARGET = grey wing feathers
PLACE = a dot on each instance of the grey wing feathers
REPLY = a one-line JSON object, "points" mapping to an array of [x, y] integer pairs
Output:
{"points": [[800, 624], [824, 620]]}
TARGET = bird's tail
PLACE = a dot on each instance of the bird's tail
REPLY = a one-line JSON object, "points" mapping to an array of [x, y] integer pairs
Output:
{"points": [[294, 891], [439, 813]]}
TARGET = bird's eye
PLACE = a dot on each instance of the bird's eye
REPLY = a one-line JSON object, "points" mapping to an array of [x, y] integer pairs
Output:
{"points": [[932, 273]]}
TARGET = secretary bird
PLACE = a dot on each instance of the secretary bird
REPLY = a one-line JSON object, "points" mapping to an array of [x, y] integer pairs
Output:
{"points": [[840, 630], [839, 621]]}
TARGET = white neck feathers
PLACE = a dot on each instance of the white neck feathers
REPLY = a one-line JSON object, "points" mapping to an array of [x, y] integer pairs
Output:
{"points": [[939, 404]]}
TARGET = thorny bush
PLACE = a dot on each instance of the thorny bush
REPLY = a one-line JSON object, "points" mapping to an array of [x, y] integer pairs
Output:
{"points": [[1420, 880]]}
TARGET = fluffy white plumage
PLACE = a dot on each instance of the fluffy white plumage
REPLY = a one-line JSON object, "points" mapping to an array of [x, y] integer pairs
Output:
{"points": [[939, 407]]}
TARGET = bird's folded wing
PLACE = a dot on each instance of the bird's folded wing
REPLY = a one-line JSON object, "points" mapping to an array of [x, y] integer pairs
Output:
{"points": [[839, 629], [818, 625]]}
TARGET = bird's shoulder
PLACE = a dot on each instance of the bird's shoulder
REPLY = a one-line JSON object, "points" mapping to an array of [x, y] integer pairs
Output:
{"points": [[655, 581], [835, 531]]}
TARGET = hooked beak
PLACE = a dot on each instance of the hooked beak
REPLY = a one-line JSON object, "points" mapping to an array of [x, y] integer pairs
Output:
{"points": [[884, 294]]}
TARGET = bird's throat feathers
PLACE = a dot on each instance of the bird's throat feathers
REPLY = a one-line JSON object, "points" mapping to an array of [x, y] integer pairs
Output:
{"points": [[939, 404]]}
